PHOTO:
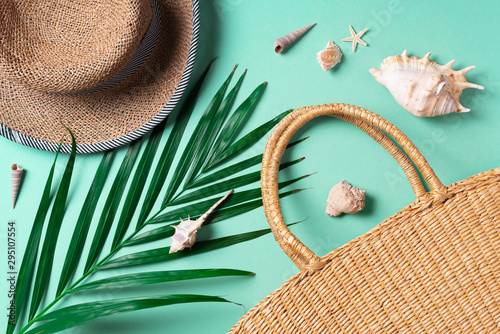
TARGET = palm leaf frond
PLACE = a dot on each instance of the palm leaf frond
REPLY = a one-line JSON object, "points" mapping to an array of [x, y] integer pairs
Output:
{"points": [[161, 254], [137, 185], [235, 123], [200, 207], [166, 231], [170, 149], [54, 226], [226, 185], [236, 210], [212, 143], [213, 129], [248, 140], [76, 315], [155, 277], [234, 169], [196, 142], [29, 259], [83, 223], [228, 171], [111, 205]]}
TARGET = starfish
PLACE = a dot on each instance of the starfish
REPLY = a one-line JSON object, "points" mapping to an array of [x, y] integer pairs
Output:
{"points": [[355, 38]]}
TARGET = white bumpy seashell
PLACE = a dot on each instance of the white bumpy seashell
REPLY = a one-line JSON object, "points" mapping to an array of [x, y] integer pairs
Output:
{"points": [[282, 43], [423, 87], [329, 56], [17, 174], [185, 232], [344, 198]]}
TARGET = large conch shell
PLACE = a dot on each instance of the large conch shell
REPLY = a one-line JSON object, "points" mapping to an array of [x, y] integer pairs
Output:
{"points": [[17, 174], [185, 232], [423, 87], [344, 198], [282, 43], [329, 56]]}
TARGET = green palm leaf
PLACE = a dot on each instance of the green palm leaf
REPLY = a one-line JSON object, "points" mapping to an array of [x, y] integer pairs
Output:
{"points": [[197, 209], [155, 277], [210, 145], [137, 185], [248, 140], [217, 188], [54, 226], [228, 171], [213, 129], [112, 202], [235, 123], [29, 259], [196, 141], [234, 169], [161, 254], [168, 153], [83, 223], [242, 208], [75, 315], [166, 231]]}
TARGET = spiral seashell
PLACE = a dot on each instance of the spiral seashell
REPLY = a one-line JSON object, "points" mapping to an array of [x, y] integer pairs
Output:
{"points": [[423, 87], [344, 198], [282, 43], [185, 232], [17, 174], [329, 56]]}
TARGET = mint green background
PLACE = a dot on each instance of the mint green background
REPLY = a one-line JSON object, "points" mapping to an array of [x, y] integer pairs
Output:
{"points": [[457, 146]]}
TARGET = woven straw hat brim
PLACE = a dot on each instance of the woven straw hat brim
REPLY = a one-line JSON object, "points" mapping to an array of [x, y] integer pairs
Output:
{"points": [[113, 117]]}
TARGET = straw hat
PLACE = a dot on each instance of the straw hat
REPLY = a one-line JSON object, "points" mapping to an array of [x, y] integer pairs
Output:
{"points": [[108, 70]]}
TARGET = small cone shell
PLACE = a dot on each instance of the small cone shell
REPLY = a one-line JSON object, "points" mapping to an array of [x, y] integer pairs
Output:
{"points": [[329, 56], [17, 173], [282, 43]]}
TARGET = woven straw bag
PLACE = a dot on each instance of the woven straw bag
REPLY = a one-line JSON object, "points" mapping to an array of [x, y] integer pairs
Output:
{"points": [[433, 267]]}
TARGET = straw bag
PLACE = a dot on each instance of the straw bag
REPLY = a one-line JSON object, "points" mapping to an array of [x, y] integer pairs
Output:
{"points": [[433, 267]]}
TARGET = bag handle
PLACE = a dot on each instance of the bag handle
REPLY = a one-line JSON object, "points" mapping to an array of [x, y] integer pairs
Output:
{"points": [[370, 123]]}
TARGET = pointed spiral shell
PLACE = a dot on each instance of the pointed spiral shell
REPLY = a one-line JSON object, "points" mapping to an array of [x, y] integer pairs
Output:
{"points": [[17, 173], [282, 43]]}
